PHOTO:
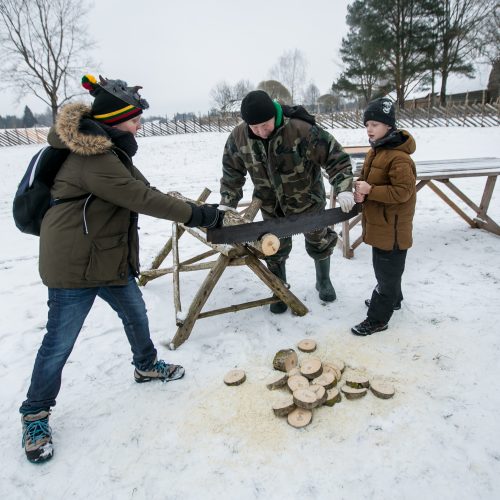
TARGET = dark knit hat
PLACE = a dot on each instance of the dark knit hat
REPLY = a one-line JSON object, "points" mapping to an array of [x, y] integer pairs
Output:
{"points": [[114, 102], [257, 107], [381, 110]]}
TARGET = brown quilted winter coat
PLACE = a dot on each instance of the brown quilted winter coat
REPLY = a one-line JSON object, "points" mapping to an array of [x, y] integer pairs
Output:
{"points": [[389, 207]]}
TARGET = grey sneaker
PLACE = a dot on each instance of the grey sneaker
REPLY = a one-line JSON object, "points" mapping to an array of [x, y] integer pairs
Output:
{"points": [[159, 371], [37, 437]]}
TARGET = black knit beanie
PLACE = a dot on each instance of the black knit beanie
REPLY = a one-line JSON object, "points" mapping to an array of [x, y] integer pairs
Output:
{"points": [[114, 102], [257, 107], [381, 110]]}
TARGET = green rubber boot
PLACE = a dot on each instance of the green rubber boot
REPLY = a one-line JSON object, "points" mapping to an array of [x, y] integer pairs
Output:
{"points": [[278, 270], [323, 283]]}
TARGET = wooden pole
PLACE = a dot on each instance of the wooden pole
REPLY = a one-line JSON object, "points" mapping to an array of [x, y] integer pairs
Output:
{"points": [[175, 274]]}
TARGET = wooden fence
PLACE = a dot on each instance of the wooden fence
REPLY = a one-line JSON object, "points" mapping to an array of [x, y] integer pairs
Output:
{"points": [[472, 115]]}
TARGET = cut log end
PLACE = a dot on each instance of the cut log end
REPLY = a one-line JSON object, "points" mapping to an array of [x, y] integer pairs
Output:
{"points": [[299, 418], [235, 377], [277, 380], [305, 398], [307, 345], [352, 393], [332, 397], [285, 360], [326, 379], [270, 244], [382, 390], [297, 382], [284, 406], [311, 368], [357, 381]]}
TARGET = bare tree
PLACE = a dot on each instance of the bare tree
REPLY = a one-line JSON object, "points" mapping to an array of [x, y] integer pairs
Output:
{"points": [[291, 70], [44, 45], [222, 96], [241, 89], [276, 90], [311, 95]]}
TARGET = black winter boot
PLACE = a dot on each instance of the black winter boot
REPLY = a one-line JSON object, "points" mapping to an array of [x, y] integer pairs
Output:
{"points": [[278, 270], [323, 283]]}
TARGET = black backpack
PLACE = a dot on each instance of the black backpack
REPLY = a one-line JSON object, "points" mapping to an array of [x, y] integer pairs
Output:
{"points": [[32, 199]]}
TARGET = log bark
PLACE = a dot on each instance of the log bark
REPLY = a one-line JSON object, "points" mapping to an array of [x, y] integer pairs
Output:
{"points": [[284, 406], [332, 397], [299, 418], [352, 393], [277, 380], [235, 377], [307, 345], [381, 389], [357, 381], [285, 360], [305, 398]]}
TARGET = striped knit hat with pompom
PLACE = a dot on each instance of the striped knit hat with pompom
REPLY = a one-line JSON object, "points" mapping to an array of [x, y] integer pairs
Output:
{"points": [[114, 102]]}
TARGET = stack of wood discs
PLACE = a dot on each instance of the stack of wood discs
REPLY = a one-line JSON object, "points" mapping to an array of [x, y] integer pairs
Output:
{"points": [[314, 383]]}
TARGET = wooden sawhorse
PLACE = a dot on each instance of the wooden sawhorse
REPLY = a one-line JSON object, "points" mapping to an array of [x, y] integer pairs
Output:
{"points": [[228, 255]]}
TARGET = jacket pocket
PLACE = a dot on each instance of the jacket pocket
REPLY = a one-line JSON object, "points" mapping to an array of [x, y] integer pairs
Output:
{"points": [[108, 259]]}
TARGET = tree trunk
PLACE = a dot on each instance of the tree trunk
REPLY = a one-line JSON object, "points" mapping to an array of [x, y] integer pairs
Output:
{"points": [[442, 96]]}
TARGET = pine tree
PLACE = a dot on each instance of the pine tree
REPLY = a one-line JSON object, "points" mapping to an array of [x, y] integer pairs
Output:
{"points": [[29, 119]]}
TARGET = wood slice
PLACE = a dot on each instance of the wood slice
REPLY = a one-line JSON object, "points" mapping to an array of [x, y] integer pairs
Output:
{"points": [[311, 368], [352, 393], [307, 345], [327, 367], [381, 389], [320, 392], [305, 398], [339, 364], [284, 406], [277, 380], [235, 377], [357, 381], [293, 371], [297, 382], [285, 360], [299, 418], [332, 396], [326, 379], [270, 244]]}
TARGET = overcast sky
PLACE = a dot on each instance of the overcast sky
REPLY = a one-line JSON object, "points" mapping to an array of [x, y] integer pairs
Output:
{"points": [[179, 50]]}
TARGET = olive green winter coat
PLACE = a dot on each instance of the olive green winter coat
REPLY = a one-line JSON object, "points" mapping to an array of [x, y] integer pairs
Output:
{"points": [[94, 241], [389, 207], [285, 169]]}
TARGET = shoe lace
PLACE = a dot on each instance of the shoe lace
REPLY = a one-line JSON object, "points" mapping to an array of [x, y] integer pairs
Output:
{"points": [[161, 367], [36, 430]]}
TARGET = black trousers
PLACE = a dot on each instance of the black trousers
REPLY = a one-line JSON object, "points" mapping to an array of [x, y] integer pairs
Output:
{"points": [[388, 266]]}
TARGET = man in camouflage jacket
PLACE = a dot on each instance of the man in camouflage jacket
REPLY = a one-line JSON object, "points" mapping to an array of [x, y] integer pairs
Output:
{"points": [[283, 150]]}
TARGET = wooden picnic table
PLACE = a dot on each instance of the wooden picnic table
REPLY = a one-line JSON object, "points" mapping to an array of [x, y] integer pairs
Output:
{"points": [[430, 173]]}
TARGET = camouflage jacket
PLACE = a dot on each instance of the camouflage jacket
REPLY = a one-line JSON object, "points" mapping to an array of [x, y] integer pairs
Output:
{"points": [[287, 174]]}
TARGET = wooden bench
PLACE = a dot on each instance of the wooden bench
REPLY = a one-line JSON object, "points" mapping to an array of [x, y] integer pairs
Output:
{"points": [[429, 173]]}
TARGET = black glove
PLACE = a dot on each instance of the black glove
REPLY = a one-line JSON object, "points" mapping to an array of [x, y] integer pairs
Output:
{"points": [[205, 216]]}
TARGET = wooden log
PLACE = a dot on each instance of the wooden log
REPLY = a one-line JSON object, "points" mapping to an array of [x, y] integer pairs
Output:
{"points": [[235, 377], [329, 368], [332, 397], [269, 244], [294, 371], [297, 382], [326, 379], [352, 393], [284, 406], [307, 345], [339, 364], [305, 398], [320, 392], [285, 360], [381, 389], [311, 368], [357, 380], [299, 418], [277, 380], [175, 273]]}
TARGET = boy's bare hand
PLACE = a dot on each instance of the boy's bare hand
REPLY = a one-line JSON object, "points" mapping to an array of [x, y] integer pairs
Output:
{"points": [[363, 187]]}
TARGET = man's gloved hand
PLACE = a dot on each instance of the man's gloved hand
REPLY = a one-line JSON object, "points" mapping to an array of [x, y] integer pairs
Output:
{"points": [[346, 201], [208, 216]]}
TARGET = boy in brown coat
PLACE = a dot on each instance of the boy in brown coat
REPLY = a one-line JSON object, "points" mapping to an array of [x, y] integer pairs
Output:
{"points": [[386, 187]]}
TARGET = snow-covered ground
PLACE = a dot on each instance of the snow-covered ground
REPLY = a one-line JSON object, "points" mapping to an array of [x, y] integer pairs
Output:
{"points": [[439, 437]]}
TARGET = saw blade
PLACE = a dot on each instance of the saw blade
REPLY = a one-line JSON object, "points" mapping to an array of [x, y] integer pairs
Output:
{"points": [[282, 227]]}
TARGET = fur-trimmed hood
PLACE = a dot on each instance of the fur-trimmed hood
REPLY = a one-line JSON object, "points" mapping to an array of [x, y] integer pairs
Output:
{"points": [[75, 130]]}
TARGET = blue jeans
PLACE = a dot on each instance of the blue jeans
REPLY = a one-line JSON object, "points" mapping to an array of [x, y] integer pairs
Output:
{"points": [[68, 308]]}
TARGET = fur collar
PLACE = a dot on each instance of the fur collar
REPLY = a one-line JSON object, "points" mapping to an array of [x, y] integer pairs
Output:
{"points": [[86, 141]]}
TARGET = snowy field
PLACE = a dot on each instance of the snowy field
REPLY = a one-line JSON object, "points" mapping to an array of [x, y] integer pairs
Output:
{"points": [[439, 437]]}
